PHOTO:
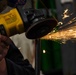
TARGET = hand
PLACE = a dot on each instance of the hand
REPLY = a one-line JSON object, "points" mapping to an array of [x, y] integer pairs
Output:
{"points": [[4, 46]]}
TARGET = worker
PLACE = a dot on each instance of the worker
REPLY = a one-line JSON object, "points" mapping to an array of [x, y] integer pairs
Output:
{"points": [[11, 60]]}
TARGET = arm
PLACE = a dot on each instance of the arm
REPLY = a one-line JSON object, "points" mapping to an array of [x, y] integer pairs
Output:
{"points": [[18, 64], [14, 63]]}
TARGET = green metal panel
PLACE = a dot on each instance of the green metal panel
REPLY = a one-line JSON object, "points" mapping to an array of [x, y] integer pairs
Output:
{"points": [[47, 62], [50, 4], [50, 50], [50, 56], [57, 54]]}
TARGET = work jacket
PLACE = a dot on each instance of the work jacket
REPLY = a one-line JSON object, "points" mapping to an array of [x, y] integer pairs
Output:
{"points": [[15, 63]]}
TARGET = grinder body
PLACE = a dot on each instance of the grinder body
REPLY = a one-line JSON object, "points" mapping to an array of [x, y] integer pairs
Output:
{"points": [[11, 23], [34, 22]]}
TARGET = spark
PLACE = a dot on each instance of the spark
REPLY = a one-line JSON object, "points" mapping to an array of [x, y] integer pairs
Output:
{"points": [[60, 23], [66, 14], [64, 34], [44, 51]]}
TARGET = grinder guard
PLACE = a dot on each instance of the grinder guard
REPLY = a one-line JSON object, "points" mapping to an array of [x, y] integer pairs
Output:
{"points": [[37, 22]]}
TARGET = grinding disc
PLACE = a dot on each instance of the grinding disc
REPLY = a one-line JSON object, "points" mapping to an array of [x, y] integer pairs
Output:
{"points": [[40, 28]]}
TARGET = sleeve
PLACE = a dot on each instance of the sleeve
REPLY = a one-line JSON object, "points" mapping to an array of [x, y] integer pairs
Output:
{"points": [[16, 64]]}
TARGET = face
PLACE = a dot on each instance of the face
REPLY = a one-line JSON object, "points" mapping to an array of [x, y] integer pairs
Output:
{"points": [[3, 5]]}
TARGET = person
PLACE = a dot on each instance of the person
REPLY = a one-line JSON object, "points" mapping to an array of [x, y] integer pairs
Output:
{"points": [[11, 60]]}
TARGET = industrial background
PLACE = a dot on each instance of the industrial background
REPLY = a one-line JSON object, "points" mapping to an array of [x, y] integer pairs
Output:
{"points": [[54, 58]]}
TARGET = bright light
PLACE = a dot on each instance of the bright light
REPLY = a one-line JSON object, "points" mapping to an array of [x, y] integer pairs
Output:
{"points": [[44, 51]]}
